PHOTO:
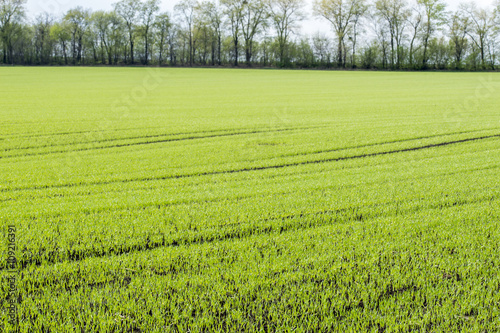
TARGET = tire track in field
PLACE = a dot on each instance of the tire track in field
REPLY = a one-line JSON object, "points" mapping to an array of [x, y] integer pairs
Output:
{"points": [[222, 232], [221, 132], [249, 169], [31, 135], [242, 230], [181, 202], [155, 141], [382, 143], [107, 140], [327, 160], [187, 202], [99, 141]]}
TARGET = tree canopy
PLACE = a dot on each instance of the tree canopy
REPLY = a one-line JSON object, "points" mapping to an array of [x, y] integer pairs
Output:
{"points": [[371, 34]]}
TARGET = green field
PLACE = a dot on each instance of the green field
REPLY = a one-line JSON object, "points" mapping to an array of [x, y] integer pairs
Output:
{"points": [[176, 200]]}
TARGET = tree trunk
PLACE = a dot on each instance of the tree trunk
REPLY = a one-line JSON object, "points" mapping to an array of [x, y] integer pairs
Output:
{"points": [[339, 55], [191, 52], [4, 51], [146, 55], [131, 47], [219, 50], [248, 53], [236, 52], [213, 52], [426, 44], [392, 51]]}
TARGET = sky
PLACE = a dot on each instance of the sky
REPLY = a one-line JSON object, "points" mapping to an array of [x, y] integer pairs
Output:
{"points": [[57, 7]]}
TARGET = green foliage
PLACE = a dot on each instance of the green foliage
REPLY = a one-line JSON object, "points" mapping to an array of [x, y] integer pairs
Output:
{"points": [[244, 200]]}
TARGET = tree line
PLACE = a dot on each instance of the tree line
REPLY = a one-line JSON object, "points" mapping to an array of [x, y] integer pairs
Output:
{"points": [[377, 34]]}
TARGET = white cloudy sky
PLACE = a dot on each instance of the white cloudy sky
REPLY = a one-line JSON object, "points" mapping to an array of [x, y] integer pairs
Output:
{"points": [[57, 7]]}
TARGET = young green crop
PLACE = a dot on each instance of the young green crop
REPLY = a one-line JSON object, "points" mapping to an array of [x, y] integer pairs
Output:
{"points": [[247, 200]]}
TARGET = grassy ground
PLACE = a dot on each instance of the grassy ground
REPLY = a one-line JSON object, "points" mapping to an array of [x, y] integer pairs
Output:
{"points": [[158, 200]]}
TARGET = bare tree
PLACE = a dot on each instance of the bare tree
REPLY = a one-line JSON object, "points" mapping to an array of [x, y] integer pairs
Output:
{"points": [[78, 20], [148, 13], [212, 14], [341, 14], [321, 48], [129, 11], [481, 26], [101, 21], [381, 31], [204, 36], [186, 9], [415, 21], [43, 25], [233, 10], [434, 17], [395, 13], [458, 27], [285, 16], [253, 21], [117, 37], [172, 43], [358, 14], [162, 26]]}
